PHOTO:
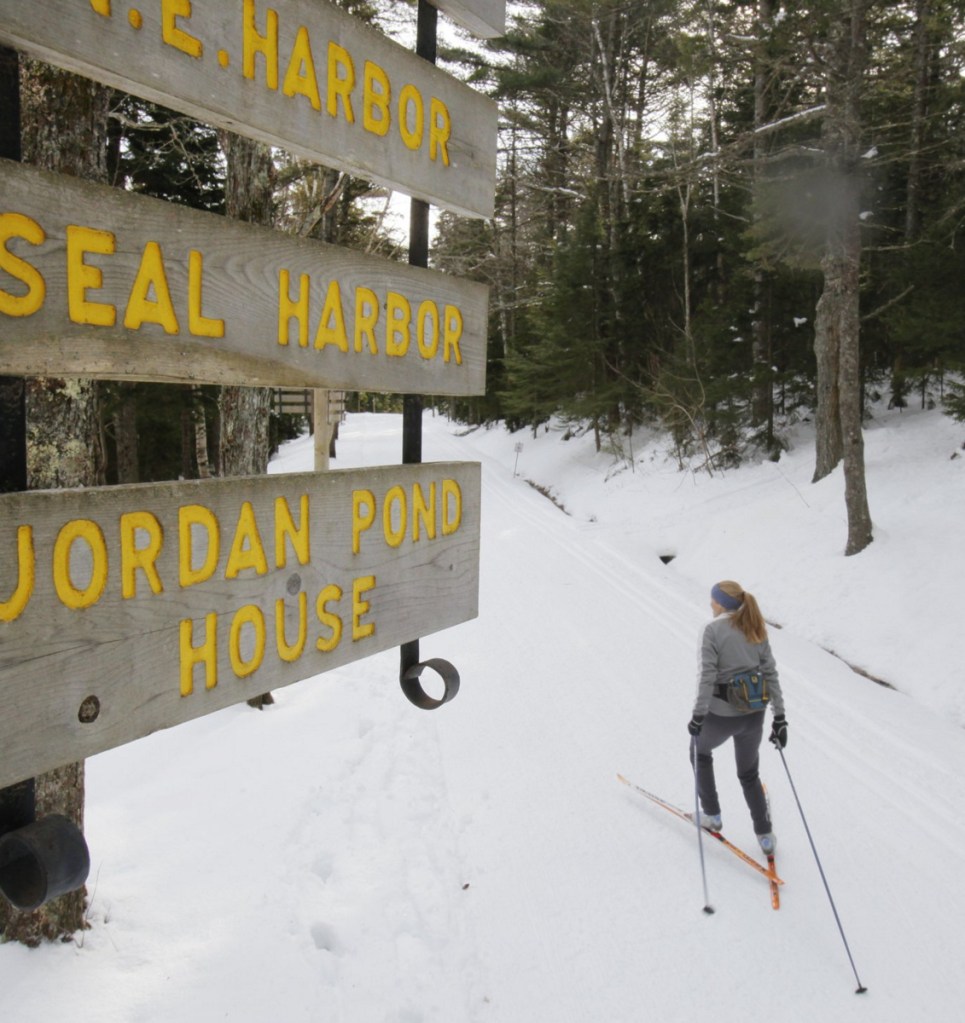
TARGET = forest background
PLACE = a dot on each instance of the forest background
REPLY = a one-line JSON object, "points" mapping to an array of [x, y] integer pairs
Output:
{"points": [[715, 218]]}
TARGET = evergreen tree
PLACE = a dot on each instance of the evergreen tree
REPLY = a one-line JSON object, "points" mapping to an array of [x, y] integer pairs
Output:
{"points": [[155, 151], [670, 183]]}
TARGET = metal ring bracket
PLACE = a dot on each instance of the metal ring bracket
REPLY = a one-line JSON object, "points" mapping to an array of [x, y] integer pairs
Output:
{"points": [[413, 690]]}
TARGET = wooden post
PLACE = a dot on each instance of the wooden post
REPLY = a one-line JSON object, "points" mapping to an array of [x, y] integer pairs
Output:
{"points": [[323, 429], [18, 804], [418, 256], [13, 413]]}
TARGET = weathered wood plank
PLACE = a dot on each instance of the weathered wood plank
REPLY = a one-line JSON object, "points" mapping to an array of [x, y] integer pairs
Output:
{"points": [[485, 19], [97, 282], [298, 74], [124, 610]]}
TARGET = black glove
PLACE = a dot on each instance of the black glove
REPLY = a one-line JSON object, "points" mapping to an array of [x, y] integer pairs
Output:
{"points": [[779, 732], [696, 722]]}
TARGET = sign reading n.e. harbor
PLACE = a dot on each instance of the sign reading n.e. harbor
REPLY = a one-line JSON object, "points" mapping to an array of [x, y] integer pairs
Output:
{"points": [[298, 74], [124, 610], [97, 282]]}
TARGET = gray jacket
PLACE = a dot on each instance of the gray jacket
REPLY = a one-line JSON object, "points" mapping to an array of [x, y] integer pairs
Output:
{"points": [[724, 653]]}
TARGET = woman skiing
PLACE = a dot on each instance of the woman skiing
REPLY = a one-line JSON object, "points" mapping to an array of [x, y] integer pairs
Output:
{"points": [[735, 646]]}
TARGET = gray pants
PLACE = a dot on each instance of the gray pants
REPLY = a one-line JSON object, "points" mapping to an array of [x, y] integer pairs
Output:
{"points": [[746, 730]]}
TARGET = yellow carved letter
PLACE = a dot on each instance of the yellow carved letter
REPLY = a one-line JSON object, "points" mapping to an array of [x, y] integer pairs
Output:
{"points": [[451, 334], [398, 324], [376, 96], [394, 535], [199, 324], [366, 317], [440, 128], [451, 507], [143, 558], [205, 654], [360, 607], [410, 98], [340, 85], [16, 225], [190, 515], [292, 308], [300, 76], [26, 574], [286, 651], [361, 520], [82, 277], [88, 531], [171, 10], [328, 618], [250, 615], [331, 324], [254, 43], [285, 528], [151, 275], [247, 550]]}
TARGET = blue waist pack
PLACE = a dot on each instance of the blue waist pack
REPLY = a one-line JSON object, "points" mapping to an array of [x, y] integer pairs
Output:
{"points": [[746, 692]]}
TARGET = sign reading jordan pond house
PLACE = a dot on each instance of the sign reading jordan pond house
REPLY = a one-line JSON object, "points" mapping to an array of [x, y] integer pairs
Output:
{"points": [[95, 281], [298, 74], [145, 606]]}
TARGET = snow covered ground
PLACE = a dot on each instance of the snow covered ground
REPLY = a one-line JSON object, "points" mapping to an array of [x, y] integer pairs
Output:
{"points": [[346, 857]]}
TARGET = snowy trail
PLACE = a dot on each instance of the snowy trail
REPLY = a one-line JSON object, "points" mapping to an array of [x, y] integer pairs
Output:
{"points": [[345, 858], [873, 790]]}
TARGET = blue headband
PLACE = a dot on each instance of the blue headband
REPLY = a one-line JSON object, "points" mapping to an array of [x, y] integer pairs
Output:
{"points": [[726, 601]]}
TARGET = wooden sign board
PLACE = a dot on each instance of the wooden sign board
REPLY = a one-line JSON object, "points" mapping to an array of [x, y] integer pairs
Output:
{"points": [[97, 282], [124, 610], [485, 19], [298, 74]]}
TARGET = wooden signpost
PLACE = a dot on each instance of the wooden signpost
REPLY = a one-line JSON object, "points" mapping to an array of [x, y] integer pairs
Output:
{"points": [[128, 609], [124, 610], [297, 74], [97, 282]]}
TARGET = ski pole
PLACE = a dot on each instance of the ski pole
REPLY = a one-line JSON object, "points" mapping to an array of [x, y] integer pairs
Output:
{"points": [[861, 988], [708, 908]]}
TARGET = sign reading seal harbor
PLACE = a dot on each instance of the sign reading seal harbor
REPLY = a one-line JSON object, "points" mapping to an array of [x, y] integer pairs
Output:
{"points": [[97, 282]]}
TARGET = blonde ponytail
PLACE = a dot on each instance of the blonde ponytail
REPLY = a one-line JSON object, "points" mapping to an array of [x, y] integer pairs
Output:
{"points": [[747, 617]]}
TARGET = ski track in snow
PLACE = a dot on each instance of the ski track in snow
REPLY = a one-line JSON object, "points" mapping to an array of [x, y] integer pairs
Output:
{"points": [[864, 817], [345, 857]]}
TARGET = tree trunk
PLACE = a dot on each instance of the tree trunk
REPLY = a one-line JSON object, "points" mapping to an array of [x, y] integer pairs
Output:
{"points": [[838, 319], [829, 447], [13, 449], [923, 13], [244, 411], [200, 435], [762, 401], [125, 434], [188, 468], [64, 129], [855, 488], [244, 415]]}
